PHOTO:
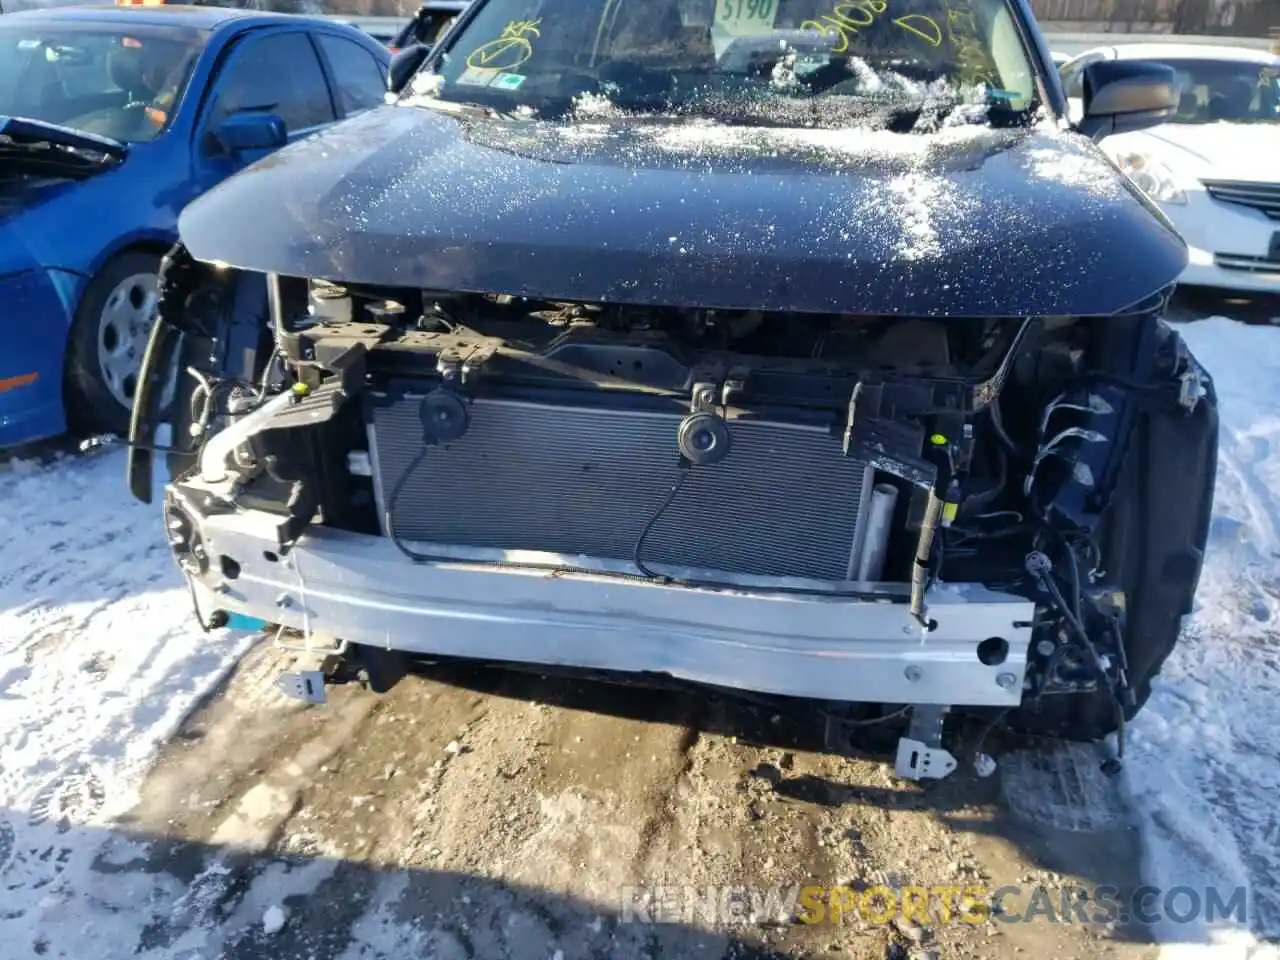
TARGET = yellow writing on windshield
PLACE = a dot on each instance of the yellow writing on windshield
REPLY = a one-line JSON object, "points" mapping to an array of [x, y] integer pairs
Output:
{"points": [[974, 66], [512, 47], [845, 21], [923, 26]]}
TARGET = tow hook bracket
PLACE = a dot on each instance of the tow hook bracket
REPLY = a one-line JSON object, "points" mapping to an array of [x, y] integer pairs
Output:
{"points": [[921, 755], [309, 685], [304, 685], [919, 761]]}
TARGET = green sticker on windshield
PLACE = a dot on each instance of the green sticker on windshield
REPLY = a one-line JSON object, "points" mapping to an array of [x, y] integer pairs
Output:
{"points": [[744, 18], [507, 81]]}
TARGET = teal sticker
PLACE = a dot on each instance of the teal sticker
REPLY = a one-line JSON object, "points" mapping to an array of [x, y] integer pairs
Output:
{"points": [[507, 81], [238, 621]]}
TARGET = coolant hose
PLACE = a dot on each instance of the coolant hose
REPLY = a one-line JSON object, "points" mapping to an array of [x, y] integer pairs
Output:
{"points": [[214, 456]]}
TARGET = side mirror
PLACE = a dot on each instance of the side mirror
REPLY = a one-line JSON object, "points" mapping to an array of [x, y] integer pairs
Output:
{"points": [[404, 64], [1125, 95], [251, 131]]}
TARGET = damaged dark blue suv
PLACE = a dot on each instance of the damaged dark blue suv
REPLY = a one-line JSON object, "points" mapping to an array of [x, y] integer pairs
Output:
{"points": [[794, 346]]}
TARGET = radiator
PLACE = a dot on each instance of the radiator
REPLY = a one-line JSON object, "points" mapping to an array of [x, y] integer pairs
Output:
{"points": [[584, 481]]}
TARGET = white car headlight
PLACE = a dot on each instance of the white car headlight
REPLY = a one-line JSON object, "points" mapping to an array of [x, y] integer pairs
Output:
{"points": [[1151, 177]]}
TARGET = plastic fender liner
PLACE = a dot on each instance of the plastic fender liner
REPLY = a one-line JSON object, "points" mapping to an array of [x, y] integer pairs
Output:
{"points": [[1161, 553], [157, 360]]}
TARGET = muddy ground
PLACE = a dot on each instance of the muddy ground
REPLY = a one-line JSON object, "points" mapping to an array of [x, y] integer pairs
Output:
{"points": [[476, 812]]}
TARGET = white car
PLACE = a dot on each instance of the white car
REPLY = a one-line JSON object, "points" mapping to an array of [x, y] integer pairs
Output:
{"points": [[1214, 167]]}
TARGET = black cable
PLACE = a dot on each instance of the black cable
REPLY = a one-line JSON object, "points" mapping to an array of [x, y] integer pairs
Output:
{"points": [[1072, 615], [94, 443], [980, 500], [997, 422], [389, 522], [987, 730], [636, 557], [1123, 655], [1073, 569], [195, 603], [394, 500], [1124, 689], [901, 711], [1046, 581]]}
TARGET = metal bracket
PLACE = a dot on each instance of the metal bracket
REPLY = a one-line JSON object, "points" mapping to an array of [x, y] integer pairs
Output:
{"points": [[338, 648], [920, 753], [865, 402], [449, 366], [1191, 388], [305, 685], [916, 761], [702, 398], [734, 386]]}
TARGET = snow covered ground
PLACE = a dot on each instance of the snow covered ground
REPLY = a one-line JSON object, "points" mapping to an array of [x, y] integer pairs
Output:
{"points": [[100, 660], [1204, 761]]}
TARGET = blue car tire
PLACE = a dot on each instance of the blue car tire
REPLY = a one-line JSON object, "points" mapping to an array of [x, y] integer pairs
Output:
{"points": [[107, 342]]}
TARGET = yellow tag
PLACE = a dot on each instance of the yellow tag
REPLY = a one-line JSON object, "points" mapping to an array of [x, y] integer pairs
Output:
{"points": [[949, 511], [938, 440], [744, 18], [301, 389]]}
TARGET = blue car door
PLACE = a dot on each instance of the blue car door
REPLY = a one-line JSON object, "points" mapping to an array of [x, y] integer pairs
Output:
{"points": [[276, 71]]}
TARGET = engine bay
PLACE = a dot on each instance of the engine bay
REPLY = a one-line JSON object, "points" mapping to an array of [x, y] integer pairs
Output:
{"points": [[866, 459]]}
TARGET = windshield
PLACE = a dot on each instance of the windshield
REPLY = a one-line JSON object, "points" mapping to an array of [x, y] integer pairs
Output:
{"points": [[99, 78], [813, 63], [1214, 90]]}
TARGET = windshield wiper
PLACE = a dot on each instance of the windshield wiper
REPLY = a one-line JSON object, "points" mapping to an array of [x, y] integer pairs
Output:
{"points": [[41, 144]]}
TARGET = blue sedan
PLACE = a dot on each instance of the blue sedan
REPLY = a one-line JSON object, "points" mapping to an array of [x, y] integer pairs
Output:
{"points": [[112, 119]]}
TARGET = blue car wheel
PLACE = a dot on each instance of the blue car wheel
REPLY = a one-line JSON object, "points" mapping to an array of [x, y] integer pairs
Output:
{"points": [[107, 342]]}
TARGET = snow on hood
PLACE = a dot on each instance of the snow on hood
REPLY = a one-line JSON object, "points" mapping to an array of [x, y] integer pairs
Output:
{"points": [[1232, 151], [669, 210]]}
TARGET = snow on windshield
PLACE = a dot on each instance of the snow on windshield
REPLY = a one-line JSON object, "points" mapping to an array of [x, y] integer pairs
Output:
{"points": [[707, 59], [841, 84]]}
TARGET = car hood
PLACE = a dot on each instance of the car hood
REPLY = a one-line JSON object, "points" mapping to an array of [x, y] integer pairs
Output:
{"points": [[966, 221], [33, 172], [1232, 151]]}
